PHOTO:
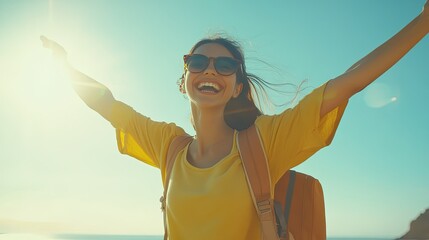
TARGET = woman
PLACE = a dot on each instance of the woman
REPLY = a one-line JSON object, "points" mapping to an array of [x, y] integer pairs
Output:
{"points": [[208, 173]]}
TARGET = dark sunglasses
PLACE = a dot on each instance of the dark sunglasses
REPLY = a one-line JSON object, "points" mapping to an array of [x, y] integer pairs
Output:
{"points": [[197, 63]]}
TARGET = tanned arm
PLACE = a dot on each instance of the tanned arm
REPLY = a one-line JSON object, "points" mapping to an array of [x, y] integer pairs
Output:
{"points": [[369, 68], [94, 94]]}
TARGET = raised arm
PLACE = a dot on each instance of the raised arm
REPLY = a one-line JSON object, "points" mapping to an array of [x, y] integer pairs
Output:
{"points": [[370, 67], [94, 94]]}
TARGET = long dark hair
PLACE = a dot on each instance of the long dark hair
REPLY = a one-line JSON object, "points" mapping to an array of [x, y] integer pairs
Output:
{"points": [[240, 112]]}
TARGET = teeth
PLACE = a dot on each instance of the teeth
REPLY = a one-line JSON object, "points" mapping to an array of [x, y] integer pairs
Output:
{"points": [[209, 84]]}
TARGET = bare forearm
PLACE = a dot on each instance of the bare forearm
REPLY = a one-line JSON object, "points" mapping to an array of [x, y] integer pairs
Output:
{"points": [[370, 67], [94, 94], [385, 56]]}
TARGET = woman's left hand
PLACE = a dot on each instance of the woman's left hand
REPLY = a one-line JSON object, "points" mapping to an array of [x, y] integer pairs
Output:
{"points": [[426, 6], [425, 14]]}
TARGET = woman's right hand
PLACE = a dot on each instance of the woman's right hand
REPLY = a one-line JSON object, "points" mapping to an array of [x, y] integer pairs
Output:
{"points": [[57, 50]]}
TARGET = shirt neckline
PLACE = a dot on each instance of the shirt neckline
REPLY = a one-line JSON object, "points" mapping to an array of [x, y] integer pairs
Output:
{"points": [[220, 162]]}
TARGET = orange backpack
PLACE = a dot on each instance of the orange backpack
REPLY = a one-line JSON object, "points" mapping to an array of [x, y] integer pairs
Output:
{"points": [[297, 210]]}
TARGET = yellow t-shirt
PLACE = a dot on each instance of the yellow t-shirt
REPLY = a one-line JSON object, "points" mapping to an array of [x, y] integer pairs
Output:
{"points": [[215, 202]]}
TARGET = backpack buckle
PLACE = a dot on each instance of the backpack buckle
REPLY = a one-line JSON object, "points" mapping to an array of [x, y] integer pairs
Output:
{"points": [[265, 206]]}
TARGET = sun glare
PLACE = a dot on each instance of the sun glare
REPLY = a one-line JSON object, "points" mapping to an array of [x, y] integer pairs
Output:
{"points": [[33, 78], [379, 95]]}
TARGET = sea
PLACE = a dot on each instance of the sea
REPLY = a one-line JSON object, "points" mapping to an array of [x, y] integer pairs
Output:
{"points": [[22, 236]]}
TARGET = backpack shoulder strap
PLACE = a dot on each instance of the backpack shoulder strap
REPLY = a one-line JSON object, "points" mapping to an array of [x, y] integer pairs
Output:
{"points": [[258, 178], [289, 194], [177, 144]]}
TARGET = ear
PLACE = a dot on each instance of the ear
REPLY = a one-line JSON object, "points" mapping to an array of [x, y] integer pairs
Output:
{"points": [[237, 90]]}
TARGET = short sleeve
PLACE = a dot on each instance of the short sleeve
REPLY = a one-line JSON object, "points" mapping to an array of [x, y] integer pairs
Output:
{"points": [[294, 135], [141, 137]]}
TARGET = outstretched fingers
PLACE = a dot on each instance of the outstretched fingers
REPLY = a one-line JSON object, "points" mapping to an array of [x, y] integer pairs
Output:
{"points": [[45, 41], [57, 49]]}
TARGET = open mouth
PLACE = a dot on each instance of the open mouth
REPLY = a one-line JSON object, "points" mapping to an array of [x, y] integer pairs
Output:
{"points": [[208, 87]]}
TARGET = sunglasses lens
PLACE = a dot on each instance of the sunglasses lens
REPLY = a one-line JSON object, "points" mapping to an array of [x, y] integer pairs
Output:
{"points": [[226, 65], [197, 63]]}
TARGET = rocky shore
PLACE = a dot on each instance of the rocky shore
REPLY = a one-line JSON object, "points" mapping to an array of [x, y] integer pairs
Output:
{"points": [[419, 228]]}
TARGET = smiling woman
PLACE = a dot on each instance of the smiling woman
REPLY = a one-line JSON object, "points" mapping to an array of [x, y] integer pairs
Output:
{"points": [[209, 167], [58, 160]]}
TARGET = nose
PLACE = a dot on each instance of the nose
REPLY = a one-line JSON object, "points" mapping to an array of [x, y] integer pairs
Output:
{"points": [[210, 68]]}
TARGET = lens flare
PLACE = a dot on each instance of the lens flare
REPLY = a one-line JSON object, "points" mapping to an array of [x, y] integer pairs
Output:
{"points": [[379, 95]]}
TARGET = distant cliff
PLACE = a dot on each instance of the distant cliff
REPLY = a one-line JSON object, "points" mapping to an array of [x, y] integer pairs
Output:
{"points": [[419, 228]]}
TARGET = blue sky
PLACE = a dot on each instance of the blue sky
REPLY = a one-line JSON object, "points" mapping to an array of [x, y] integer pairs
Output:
{"points": [[59, 167]]}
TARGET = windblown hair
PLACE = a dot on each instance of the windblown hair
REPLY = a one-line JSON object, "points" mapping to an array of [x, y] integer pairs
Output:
{"points": [[240, 112]]}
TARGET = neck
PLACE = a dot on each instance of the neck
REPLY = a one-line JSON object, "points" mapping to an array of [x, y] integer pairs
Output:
{"points": [[212, 133]]}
